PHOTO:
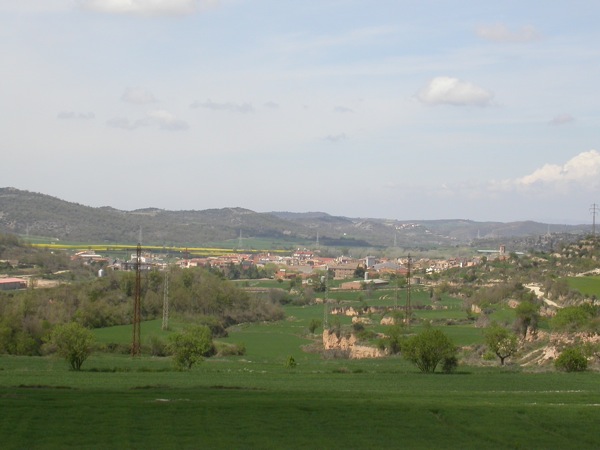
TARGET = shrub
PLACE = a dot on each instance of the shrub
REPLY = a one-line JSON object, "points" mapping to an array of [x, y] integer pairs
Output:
{"points": [[428, 348], [158, 347], [393, 340], [291, 362], [450, 364], [224, 349], [313, 325], [73, 342], [571, 360], [571, 318], [191, 346]]}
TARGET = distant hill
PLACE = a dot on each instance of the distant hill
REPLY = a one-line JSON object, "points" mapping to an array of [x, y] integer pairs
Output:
{"points": [[24, 212]]}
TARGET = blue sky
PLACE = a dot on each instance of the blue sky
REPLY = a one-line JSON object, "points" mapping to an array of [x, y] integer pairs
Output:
{"points": [[392, 109]]}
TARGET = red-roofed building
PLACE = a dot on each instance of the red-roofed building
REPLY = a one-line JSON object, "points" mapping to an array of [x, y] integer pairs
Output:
{"points": [[10, 284]]}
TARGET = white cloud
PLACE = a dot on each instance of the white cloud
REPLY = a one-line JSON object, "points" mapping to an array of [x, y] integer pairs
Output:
{"points": [[343, 109], [231, 107], [161, 119], [138, 96], [452, 91], [166, 121], [582, 172], [561, 119], [75, 115], [501, 33], [582, 169], [121, 122], [148, 7], [336, 137]]}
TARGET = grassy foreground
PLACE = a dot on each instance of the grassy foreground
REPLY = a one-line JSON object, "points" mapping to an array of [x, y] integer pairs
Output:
{"points": [[255, 401], [119, 402]]}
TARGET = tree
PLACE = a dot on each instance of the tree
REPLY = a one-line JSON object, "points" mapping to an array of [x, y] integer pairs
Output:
{"points": [[313, 325], [73, 342], [191, 346], [359, 272], [393, 341], [528, 315], [501, 341], [428, 348]]}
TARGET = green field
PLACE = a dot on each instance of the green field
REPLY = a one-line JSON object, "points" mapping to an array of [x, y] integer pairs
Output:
{"points": [[250, 403], [586, 285], [255, 401]]}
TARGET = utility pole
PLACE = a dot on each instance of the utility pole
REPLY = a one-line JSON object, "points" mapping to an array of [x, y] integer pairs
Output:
{"points": [[165, 321], [397, 286], [326, 300], [593, 211], [137, 304], [408, 305]]}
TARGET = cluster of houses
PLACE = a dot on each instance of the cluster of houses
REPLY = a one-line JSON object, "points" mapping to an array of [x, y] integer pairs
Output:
{"points": [[303, 263]]}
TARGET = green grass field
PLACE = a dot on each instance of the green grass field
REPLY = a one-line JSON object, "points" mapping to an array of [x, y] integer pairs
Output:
{"points": [[122, 402], [255, 401], [586, 285]]}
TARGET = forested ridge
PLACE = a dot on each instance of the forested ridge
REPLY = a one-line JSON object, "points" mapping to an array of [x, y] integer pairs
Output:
{"points": [[36, 214]]}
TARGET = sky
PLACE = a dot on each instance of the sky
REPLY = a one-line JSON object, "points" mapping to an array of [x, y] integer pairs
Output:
{"points": [[408, 110]]}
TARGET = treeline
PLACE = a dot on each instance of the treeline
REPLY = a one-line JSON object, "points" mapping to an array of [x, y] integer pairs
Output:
{"points": [[18, 259], [26, 317]]}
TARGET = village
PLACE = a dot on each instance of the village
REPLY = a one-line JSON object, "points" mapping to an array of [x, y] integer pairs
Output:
{"points": [[303, 263]]}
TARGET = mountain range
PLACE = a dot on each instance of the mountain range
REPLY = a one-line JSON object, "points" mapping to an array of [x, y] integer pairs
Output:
{"points": [[35, 214]]}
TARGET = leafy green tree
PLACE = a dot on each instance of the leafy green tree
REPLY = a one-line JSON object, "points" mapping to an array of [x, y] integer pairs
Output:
{"points": [[571, 359], [393, 341], [501, 341], [191, 346], [528, 316], [313, 325], [359, 272], [428, 348], [73, 342]]}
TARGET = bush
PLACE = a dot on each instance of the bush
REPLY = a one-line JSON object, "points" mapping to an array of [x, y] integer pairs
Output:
{"points": [[428, 348], [73, 342], [571, 318], [571, 360], [158, 347], [450, 364], [290, 362], [224, 349], [392, 342], [313, 325], [191, 346]]}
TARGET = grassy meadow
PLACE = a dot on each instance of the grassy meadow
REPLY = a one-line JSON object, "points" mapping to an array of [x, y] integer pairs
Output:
{"points": [[589, 285], [257, 401]]}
